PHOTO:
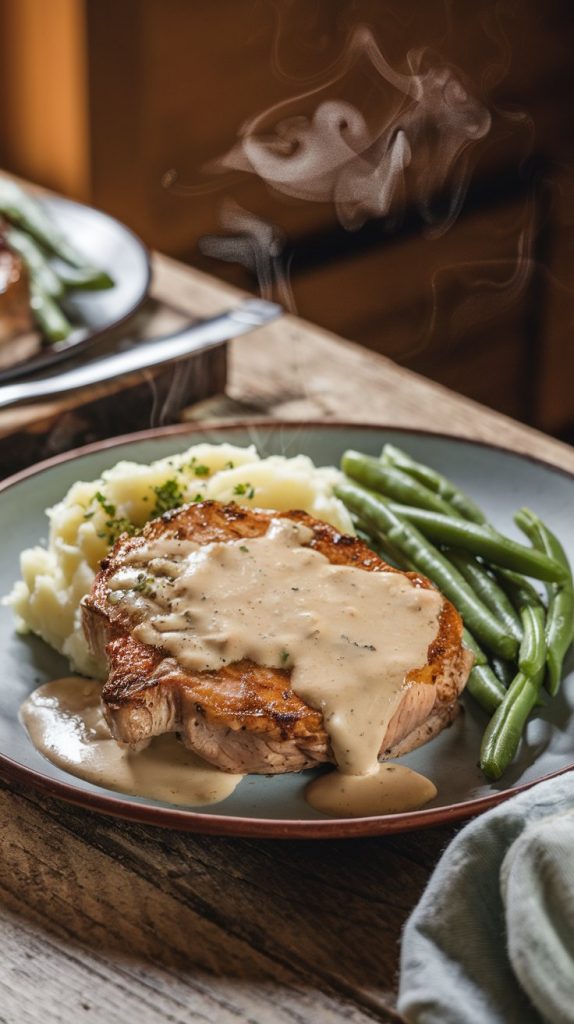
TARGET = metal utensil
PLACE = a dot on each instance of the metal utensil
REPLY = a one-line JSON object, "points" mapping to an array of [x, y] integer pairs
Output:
{"points": [[145, 355]]}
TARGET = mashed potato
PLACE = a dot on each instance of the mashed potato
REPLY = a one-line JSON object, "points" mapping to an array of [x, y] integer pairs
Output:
{"points": [[92, 515]]}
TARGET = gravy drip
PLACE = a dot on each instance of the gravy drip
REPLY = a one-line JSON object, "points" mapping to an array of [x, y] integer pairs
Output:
{"points": [[66, 724], [390, 789]]}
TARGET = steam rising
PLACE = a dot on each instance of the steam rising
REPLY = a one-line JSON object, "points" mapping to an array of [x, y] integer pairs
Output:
{"points": [[365, 167], [255, 245], [410, 141]]}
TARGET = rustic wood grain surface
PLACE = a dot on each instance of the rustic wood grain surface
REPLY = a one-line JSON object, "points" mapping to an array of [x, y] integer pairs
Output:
{"points": [[110, 922]]}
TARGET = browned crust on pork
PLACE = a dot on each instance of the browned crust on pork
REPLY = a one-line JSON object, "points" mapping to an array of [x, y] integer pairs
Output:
{"points": [[245, 709]]}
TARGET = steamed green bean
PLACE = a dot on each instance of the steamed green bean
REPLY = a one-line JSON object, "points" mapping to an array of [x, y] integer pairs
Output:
{"points": [[559, 629], [457, 499], [504, 731], [390, 481], [483, 541], [487, 589], [380, 517]]}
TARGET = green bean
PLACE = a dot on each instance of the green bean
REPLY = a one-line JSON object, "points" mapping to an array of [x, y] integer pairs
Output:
{"points": [[482, 684], [503, 670], [35, 262], [532, 652], [483, 541], [541, 536], [485, 688], [520, 591], [361, 533], [434, 481], [559, 630], [85, 279], [25, 212], [529, 605], [381, 518], [503, 732], [54, 325], [469, 642], [391, 482], [382, 548], [487, 589]]}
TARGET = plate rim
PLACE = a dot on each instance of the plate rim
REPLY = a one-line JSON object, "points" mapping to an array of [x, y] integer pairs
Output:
{"points": [[52, 357], [243, 827]]}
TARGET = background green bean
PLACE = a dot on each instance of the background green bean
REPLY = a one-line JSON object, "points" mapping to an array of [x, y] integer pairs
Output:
{"points": [[52, 321], [85, 278], [35, 237], [29, 215], [35, 262]]}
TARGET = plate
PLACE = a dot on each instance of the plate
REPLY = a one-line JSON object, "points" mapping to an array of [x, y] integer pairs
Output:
{"points": [[499, 480], [111, 246]]}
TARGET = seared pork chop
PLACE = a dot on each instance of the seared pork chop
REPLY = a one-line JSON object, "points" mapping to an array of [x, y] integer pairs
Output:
{"points": [[245, 717]]}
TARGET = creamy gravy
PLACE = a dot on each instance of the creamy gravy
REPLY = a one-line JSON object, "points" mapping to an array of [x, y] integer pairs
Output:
{"points": [[65, 723], [348, 637], [388, 789]]}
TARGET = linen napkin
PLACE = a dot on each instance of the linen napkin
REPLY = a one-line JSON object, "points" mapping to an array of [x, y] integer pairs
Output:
{"points": [[492, 939]]}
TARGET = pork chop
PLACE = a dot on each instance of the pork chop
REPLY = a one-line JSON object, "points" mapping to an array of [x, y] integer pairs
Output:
{"points": [[245, 717]]}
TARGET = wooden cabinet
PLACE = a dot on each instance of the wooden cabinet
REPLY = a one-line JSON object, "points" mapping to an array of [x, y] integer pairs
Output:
{"points": [[105, 97]]}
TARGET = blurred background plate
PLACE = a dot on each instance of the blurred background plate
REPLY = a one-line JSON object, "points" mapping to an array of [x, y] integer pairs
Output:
{"points": [[108, 244]]}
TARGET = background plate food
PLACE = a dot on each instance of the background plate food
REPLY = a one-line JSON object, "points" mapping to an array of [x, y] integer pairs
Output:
{"points": [[499, 480], [107, 244]]}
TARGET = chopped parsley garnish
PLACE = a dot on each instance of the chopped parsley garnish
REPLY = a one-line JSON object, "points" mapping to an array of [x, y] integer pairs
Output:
{"points": [[242, 547], [229, 465], [244, 489], [198, 469], [115, 528], [284, 657], [108, 508], [114, 525], [167, 496]]}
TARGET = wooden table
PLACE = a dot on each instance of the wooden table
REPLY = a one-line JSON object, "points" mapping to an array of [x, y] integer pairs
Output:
{"points": [[108, 922]]}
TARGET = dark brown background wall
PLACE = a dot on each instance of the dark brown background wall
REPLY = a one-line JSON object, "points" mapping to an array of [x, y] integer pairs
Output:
{"points": [[102, 98]]}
